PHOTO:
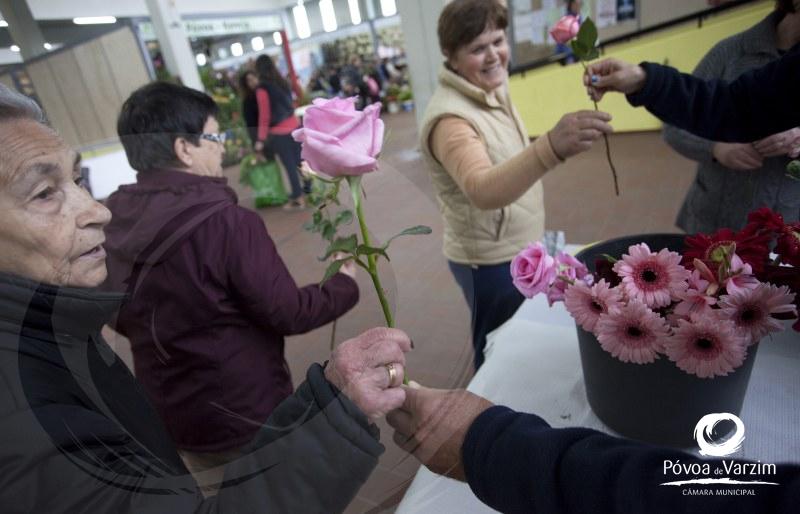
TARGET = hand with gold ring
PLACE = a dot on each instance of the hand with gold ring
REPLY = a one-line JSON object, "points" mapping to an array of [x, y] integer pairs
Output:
{"points": [[369, 369]]}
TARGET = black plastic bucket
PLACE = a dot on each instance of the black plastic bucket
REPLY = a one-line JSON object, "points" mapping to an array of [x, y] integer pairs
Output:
{"points": [[658, 402]]}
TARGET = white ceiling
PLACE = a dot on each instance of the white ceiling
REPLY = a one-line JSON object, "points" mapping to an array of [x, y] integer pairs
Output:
{"points": [[67, 9]]}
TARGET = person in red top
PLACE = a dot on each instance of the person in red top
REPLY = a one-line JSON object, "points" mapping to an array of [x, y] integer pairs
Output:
{"points": [[269, 114]]}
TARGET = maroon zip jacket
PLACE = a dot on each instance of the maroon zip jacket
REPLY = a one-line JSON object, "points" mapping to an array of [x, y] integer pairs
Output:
{"points": [[209, 303]]}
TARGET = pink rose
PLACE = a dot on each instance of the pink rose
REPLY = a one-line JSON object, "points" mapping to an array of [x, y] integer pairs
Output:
{"points": [[569, 269], [339, 140], [566, 28], [532, 270]]}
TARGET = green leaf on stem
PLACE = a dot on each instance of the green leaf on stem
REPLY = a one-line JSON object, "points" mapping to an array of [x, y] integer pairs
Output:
{"points": [[609, 258], [371, 250], [593, 54], [333, 269], [343, 218], [419, 230], [579, 49], [346, 245], [587, 35], [328, 230]]}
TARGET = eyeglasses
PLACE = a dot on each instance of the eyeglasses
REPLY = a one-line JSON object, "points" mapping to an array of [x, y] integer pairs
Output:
{"points": [[215, 138]]}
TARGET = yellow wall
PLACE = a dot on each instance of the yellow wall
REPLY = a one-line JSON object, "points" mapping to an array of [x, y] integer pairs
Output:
{"points": [[543, 95]]}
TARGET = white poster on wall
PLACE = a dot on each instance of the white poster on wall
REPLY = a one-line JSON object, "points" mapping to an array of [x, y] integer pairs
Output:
{"points": [[606, 13], [522, 27]]}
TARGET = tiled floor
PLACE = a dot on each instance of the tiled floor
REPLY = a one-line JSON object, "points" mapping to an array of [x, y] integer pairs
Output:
{"points": [[579, 200]]}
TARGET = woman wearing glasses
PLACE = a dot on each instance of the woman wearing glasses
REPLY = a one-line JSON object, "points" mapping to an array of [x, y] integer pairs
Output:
{"points": [[209, 298]]}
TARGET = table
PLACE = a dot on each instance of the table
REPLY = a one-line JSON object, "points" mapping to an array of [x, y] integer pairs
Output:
{"points": [[533, 365]]}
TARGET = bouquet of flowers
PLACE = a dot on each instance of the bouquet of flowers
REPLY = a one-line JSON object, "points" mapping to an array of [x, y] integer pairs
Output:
{"points": [[701, 309]]}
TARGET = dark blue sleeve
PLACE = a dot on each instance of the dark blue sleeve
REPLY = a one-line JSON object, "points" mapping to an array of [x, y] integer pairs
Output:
{"points": [[759, 103], [516, 462]]}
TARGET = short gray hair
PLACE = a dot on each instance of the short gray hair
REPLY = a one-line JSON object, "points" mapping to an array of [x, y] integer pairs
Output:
{"points": [[14, 105]]}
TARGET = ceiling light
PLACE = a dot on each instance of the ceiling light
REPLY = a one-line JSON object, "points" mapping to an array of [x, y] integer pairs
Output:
{"points": [[237, 49], [277, 38], [355, 11], [257, 43], [201, 59], [94, 20], [388, 7], [328, 15], [14, 48], [301, 21]]}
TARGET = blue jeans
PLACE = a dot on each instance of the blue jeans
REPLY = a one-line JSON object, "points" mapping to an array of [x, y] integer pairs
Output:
{"points": [[491, 296]]}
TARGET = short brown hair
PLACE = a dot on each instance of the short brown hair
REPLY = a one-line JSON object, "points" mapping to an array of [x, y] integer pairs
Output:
{"points": [[462, 21]]}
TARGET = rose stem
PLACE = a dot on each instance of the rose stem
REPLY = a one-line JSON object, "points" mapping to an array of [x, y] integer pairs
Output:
{"points": [[608, 146], [355, 189]]}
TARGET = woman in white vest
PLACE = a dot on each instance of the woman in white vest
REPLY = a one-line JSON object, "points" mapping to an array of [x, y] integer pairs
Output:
{"points": [[485, 172]]}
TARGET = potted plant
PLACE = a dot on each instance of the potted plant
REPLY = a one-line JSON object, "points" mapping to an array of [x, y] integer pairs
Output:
{"points": [[669, 325]]}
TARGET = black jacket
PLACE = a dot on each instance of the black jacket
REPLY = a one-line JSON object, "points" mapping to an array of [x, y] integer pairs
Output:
{"points": [[758, 104], [516, 462], [79, 435]]}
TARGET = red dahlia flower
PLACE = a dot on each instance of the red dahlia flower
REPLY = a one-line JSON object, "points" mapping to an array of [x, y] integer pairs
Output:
{"points": [[788, 246], [766, 219], [750, 245]]}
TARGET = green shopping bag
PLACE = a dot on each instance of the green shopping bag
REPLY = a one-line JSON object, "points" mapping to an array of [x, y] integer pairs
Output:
{"points": [[266, 180]]}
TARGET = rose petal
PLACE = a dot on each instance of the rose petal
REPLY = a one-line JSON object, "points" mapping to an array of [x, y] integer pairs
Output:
{"points": [[326, 153]]}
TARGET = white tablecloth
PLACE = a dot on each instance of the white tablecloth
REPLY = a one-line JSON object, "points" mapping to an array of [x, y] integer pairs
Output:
{"points": [[533, 365]]}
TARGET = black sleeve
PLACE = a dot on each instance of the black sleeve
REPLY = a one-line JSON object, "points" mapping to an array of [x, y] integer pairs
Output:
{"points": [[312, 455], [516, 462], [758, 104]]}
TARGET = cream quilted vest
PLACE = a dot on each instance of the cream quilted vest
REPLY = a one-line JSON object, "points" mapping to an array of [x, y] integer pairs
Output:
{"points": [[472, 235]]}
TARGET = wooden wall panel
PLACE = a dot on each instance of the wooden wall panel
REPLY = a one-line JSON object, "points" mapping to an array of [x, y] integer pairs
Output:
{"points": [[653, 12], [7, 81], [54, 104], [79, 103], [100, 86], [125, 60]]}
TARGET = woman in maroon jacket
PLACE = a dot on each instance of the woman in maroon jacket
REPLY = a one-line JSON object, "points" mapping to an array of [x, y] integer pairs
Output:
{"points": [[210, 299]]}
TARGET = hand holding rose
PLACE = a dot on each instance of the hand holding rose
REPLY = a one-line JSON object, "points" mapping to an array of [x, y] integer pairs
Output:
{"points": [[613, 75], [575, 132], [358, 368]]}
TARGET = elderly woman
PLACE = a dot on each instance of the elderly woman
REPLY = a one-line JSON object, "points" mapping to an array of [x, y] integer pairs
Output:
{"points": [[485, 173], [78, 433]]}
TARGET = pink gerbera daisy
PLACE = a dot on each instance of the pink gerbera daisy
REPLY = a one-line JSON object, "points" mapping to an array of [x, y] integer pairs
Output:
{"points": [[586, 304], [632, 333], [706, 346], [751, 310], [653, 278]]}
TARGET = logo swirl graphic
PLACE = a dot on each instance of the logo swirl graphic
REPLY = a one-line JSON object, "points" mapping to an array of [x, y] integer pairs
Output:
{"points": [[704, 432]]}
